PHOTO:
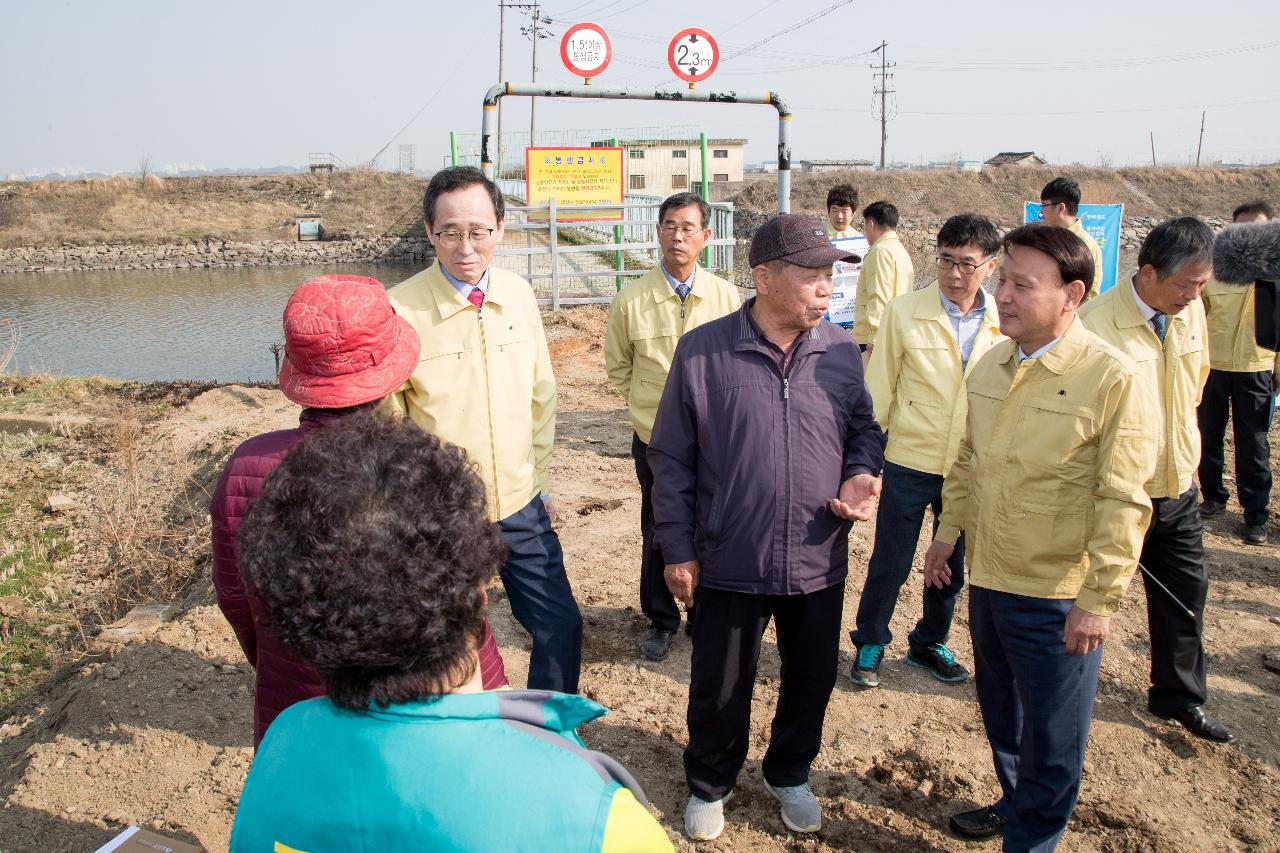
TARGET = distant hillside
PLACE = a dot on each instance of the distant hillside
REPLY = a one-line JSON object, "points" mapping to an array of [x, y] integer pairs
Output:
{"points": [[999, 194], [246, 207]]}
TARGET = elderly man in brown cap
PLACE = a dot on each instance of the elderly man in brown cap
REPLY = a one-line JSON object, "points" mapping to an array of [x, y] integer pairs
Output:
{"points": [[764, 450]]}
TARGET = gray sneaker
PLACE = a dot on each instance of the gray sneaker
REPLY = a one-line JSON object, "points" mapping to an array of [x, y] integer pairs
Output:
{"points": [[800, 810], [704, 821]]}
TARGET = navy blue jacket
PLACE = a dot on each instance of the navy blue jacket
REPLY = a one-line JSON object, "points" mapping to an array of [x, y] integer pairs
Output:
{"points": [[745, 456]]}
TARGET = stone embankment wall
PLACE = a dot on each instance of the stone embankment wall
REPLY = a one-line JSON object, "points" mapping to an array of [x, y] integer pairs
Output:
{"points": [[211, 253]]}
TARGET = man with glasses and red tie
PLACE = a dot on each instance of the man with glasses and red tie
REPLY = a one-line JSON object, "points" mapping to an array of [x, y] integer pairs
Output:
{"points": [[484, 382], [930, 339], [646, 320]]}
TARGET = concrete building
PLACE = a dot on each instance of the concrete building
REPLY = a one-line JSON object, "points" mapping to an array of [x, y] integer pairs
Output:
{"points": [[664, 166], [1016, 159]]}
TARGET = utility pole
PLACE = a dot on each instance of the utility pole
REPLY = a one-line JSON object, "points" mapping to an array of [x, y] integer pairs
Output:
{"points": [[1152, 133], [1200, 145], [533, 102], [883, 91], [535, 31]]}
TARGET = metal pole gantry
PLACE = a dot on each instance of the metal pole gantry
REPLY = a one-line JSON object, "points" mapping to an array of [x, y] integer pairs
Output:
{"points": [[531, 90]]}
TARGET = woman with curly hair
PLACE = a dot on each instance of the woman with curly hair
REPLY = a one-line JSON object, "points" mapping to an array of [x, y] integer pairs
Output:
{"points": [[345, 350], [371, 552]]}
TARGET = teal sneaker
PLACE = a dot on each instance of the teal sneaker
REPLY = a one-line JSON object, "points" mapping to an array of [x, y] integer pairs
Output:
{"points": [[866, 669], [939, 660]]}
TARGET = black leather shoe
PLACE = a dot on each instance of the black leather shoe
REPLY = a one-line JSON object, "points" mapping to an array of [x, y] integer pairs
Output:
{"points": [[1255, 534], [979, 824], [1209, 508], [1200, 723], [657, 644]]}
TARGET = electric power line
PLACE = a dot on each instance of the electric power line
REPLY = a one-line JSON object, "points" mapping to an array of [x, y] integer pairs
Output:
{"points": [[790, 29], [1084, 64], [1053, 112], [420, 111]]}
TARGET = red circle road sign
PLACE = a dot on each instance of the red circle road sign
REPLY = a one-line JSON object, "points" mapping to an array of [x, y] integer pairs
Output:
{"points": [[585, 49], [693, 54]]}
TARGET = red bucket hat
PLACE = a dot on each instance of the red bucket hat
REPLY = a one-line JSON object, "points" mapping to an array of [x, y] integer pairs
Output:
{"points": [[343, 343]]}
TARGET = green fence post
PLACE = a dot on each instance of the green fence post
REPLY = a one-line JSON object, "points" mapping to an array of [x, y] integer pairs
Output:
{"points": [[706, 194], [453, 148]]}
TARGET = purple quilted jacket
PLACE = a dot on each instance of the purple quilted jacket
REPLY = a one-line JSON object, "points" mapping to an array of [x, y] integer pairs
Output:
{"points": [[281, 679]]}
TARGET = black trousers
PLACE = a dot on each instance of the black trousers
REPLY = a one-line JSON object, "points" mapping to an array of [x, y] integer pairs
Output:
{"points": [[1246, 397], [656, 601], [1174, 553], [726, 649]]}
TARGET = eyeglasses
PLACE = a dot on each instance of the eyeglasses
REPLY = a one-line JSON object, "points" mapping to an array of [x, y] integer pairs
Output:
{"points": [[683, 230], [450, 239], [966, 267]]}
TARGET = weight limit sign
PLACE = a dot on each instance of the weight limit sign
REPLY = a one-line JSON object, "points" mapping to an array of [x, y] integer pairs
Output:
{"points": [[693, 55], [586, 50]]}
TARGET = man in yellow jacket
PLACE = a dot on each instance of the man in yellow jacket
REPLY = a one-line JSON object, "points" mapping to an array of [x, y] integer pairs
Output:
{"points": [[1243, 381], [646, 321], [1157, 320], [929, 341], [1049, 489], [886, 272], [1060, 206], [484, 383]]}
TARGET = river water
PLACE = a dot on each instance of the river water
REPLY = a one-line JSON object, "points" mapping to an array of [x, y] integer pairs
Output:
{"points": [[147, 325]]}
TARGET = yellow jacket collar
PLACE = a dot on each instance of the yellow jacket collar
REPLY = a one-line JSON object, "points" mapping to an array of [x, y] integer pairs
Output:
{"points": [[1065, 353], [447, 298], [661, 289]]}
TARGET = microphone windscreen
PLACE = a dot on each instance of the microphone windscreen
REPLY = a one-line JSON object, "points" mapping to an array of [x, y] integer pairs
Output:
{"points": [[1243, 254]]}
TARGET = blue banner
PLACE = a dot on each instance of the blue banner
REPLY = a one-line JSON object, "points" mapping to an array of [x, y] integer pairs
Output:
{"points": [[1102, 221]]}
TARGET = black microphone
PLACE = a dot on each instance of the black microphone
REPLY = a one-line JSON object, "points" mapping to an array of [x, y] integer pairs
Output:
{"points": [[1249, 255]]}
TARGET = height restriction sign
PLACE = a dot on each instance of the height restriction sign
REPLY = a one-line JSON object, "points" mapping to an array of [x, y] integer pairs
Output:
{"points": [[693, 54], [585, 49]]}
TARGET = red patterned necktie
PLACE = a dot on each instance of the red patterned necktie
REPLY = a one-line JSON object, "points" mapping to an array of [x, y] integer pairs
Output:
{"points": [[476, 297]]}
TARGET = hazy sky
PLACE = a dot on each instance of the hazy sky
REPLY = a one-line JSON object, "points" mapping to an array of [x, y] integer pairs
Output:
{"points": [[103, 85]]}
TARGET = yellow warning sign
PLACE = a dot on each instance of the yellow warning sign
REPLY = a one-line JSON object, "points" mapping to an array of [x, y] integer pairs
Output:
{"points": [[575, 176]]}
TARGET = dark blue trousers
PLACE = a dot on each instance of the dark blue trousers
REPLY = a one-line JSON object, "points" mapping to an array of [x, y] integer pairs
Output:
{"points": [[1246, 397], [541, 598], [1037, 704], [904, 495]]}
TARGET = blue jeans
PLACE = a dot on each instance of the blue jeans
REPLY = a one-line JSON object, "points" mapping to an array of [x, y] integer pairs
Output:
{"points": [[1037, 704], [541, 599], [905, 494]]}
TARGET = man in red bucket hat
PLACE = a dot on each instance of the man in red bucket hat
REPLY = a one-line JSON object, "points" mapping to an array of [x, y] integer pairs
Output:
{"points": [[345, 350]]}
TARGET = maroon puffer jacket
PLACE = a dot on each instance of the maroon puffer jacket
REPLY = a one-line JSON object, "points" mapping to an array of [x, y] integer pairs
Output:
{"points": [[281, 679]]}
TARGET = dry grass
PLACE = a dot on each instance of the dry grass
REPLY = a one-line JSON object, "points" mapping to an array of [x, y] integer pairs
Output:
{"points": [[1000, 194], [151, 548], [156, 210]]}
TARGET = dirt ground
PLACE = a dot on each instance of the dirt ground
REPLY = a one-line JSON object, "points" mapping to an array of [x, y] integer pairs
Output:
{"points": [[158, 731]]}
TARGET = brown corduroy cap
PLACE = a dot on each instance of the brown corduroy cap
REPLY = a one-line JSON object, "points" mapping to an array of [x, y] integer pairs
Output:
{"points": [[796, 238]]}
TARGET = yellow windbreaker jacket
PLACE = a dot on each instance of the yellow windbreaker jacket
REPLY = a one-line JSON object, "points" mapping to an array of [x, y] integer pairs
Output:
{"points": [[1172, 375], [1231, 342], [646, 321], [886, 272], [483, 380], [917, 387], [1049, 482], [1077, 228]]}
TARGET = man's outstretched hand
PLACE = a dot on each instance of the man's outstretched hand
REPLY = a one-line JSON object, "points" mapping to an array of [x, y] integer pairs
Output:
{"points": [[857, 498]]}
